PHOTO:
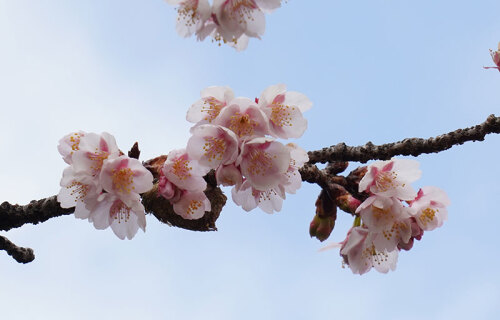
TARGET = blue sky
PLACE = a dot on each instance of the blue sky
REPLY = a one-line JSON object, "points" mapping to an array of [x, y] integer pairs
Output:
{"points": [[375, 70]]}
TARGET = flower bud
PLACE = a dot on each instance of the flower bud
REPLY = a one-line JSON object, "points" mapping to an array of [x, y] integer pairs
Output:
{"points": [[321, 227]]}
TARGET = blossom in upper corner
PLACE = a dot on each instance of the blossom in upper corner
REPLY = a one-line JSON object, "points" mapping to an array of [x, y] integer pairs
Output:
{"points": [[495, 55], [429, 208], [284, 111], [192, 15], [227, 21], [391, 178]]}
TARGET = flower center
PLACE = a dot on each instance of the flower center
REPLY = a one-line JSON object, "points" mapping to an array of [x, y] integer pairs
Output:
{"points": [[214, 148], [181, 169], [212, 108], [188, 12], [281, 115], [260, 162], [242, 125], [427, 216], [74, 139], [123, 179], [386, 181], [194, 205]]}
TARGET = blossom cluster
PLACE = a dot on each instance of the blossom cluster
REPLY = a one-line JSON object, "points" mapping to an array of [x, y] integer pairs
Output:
{"points": [[387, 225], [228, 21], [236, 137], [102, 183]]}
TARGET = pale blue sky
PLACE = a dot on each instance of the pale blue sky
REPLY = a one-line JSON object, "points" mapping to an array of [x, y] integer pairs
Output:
{"points": [[375, 70]]}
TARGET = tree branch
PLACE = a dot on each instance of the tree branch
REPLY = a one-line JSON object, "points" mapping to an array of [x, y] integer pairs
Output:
{"points": [[21, 255], [409, 146]]}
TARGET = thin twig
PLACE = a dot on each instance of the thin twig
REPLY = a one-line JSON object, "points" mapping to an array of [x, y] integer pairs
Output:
{"points": [[410, 146]]}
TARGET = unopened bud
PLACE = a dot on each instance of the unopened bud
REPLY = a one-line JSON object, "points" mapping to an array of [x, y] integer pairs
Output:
{"points": [[321, 227]]}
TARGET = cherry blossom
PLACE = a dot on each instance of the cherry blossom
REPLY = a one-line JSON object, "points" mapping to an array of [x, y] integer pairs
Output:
{"points": [[192, 205], [213, 99], [184, 172], [360, 254], [123, 219], [244, 118], [249, 198], [125, 178], [380, 213], [212, 145], [264, 162], [94, 149], [79, 191], [429, 208], [391, 178], [192, 15], [284, 111]]}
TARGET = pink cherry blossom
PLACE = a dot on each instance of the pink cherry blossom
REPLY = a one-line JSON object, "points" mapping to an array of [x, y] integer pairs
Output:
{"points": [[192, 205], [212, 145], [391, 178], [264, 162], [168, 190], [213, 100], [184, 172], [429, 208], [123, 219], [284, 111], [78, 191], [249, 198], [360, 254], [238, 17], [125, 178], [244, 118], [192, 15], [69, 144], [380, 213], [94, 149]]}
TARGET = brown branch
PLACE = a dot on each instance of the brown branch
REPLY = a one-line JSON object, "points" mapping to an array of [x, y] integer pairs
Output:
{"points": [[21, 255], [409, 146], [14, 216]]}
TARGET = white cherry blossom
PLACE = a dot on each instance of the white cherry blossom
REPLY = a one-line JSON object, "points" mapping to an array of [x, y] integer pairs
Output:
{"points": [[212, 145], [244, 118], [184, 172], [380, 213], [192, 15], [360, 254], [429, 208], [125, 178], [69, 144], [264, 162], [213, 100], [123, 219], [192, 205], [284, 111], [391, 178]]}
